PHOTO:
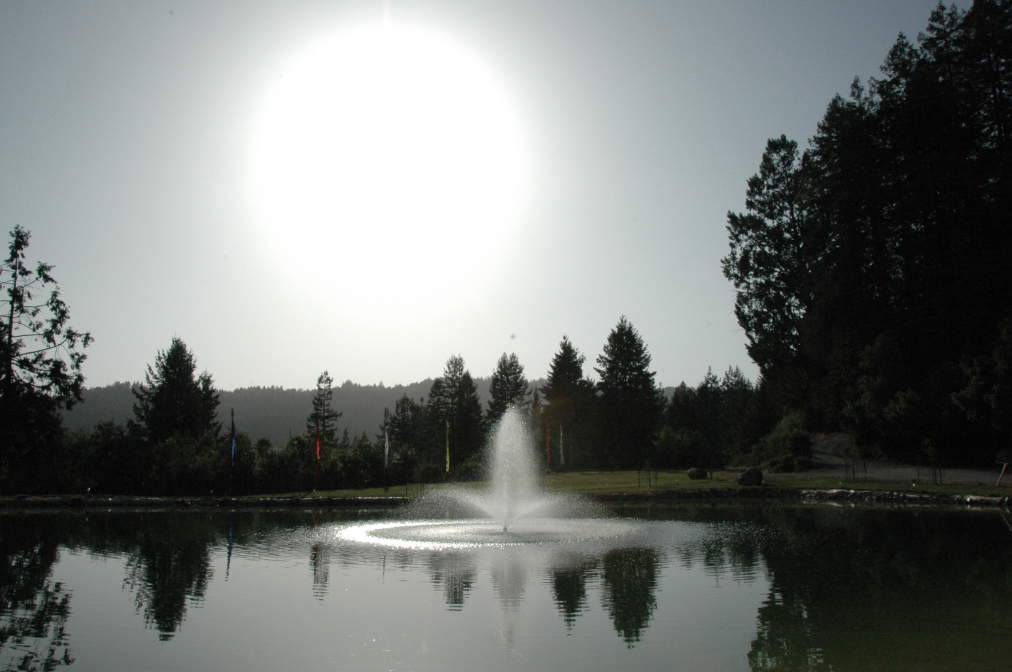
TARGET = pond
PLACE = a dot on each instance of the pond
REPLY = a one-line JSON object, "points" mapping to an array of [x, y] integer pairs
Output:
{"points": [[711, 586]]}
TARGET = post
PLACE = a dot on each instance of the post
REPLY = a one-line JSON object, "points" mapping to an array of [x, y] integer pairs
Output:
{"points": [[1004, 467]]}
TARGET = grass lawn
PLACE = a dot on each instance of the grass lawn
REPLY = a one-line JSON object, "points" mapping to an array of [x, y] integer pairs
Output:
{"points": [[600, 482]]}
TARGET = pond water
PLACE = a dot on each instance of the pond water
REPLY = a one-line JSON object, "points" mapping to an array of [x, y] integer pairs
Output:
{"points": [[694, 587]]}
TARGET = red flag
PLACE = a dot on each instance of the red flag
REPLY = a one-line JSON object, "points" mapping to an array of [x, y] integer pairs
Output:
{"points": [[317, 449]]}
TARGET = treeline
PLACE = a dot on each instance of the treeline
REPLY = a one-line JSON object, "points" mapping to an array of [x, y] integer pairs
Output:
{"points": [[272, 412], [872, 269]]}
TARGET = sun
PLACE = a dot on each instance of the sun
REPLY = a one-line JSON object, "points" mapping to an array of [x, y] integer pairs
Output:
{"points": [[386, 155]]}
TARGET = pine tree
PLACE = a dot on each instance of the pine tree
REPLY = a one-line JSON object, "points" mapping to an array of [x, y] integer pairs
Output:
{"points": [[323, 416], [569, 416], [565, 373], [631, 404], [175, 402], [508, 387], [453, 400]]}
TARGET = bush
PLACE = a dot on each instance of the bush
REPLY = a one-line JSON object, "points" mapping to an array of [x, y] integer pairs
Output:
{"points": [[675, 448], [788, 438]]}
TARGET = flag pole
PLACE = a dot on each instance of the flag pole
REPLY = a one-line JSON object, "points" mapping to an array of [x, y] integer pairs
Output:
{"points": [[231, 464], [316, 474]]}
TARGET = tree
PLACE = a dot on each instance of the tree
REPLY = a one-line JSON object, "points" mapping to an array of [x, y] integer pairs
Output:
{"points": [[40, 366], [38, 350], [454, 403], [567, 422], [871, 267], [565, 373], [767, 262], [631, 403], [175, 402], [323, 417], [507, 388]]}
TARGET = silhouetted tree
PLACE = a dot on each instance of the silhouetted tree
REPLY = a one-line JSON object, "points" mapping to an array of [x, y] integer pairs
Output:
{"points": [[508, 387], [872, 267], [40, 368], [565, 373], [767, 262], [175, 402], [568, 416], [453, 402], [323, 416], [631, 404]]}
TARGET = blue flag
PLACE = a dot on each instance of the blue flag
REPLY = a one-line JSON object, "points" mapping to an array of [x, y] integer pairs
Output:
{"points": [[232, 464]]}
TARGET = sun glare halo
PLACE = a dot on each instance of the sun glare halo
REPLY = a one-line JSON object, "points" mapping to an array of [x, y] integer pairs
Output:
{"points": [[388, 154]]}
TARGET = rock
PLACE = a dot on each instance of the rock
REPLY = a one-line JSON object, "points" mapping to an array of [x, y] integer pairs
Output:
{"points": [[696, 473], [753, 476]]}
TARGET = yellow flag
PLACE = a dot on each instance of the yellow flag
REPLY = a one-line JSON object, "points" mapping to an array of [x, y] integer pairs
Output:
{"points": [[447, 446]]}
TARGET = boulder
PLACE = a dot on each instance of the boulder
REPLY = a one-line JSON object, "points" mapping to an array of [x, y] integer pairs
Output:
{"points": [[696, 473], [753, 476]]}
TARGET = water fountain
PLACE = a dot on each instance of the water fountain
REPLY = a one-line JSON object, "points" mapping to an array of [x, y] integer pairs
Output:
{"points": [[511, 509]]}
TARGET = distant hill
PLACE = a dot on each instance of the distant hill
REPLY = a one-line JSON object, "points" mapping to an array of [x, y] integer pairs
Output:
{"points": [[272, 412]]}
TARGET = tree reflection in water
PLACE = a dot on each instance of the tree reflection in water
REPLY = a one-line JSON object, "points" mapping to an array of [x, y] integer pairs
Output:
{"points": [[454, 573], [569, 586], [33, 608], [630, 581], [863, 588], [169, 568]]}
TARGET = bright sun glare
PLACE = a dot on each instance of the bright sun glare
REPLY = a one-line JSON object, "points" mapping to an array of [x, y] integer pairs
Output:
{"points": [[388, 155]]}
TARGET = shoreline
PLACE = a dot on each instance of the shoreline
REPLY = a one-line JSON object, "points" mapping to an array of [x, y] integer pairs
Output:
{"points": [[24, 502]]}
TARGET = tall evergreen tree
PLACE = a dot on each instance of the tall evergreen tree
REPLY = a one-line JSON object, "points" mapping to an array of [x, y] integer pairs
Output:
{"points": [[567, 424], [40, 367], [631, 403], [565, 373], [174, 401], [767, 262], [323, 416], [899, 275], [508, 387], [454, 403]]}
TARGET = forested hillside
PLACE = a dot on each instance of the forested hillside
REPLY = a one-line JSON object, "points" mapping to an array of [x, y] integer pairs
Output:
{"points": [[272, 412]]}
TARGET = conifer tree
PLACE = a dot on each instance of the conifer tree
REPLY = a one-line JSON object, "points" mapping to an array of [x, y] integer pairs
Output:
{"points": [[175, 402], [631, 404], [453, 402], [40, 367], [508, 387], [323, 416], [565, 373]]}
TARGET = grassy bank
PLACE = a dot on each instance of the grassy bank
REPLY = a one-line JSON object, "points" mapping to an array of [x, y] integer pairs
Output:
{"points": [[608, 482]]}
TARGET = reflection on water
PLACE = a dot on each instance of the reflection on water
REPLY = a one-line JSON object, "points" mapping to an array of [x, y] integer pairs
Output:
{"points": [[569, 586], [169, 568], [452, 572], [630, 578], [802, 588], [33, 608]]}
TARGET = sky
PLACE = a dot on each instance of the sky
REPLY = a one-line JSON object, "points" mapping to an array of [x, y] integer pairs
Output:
{"points": [[572, 162]]}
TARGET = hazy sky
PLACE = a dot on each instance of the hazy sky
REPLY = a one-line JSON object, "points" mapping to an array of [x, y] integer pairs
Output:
{"points": [[129, 144]]}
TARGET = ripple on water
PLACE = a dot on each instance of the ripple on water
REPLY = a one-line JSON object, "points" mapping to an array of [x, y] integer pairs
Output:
{"points": [[437, 534]]}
